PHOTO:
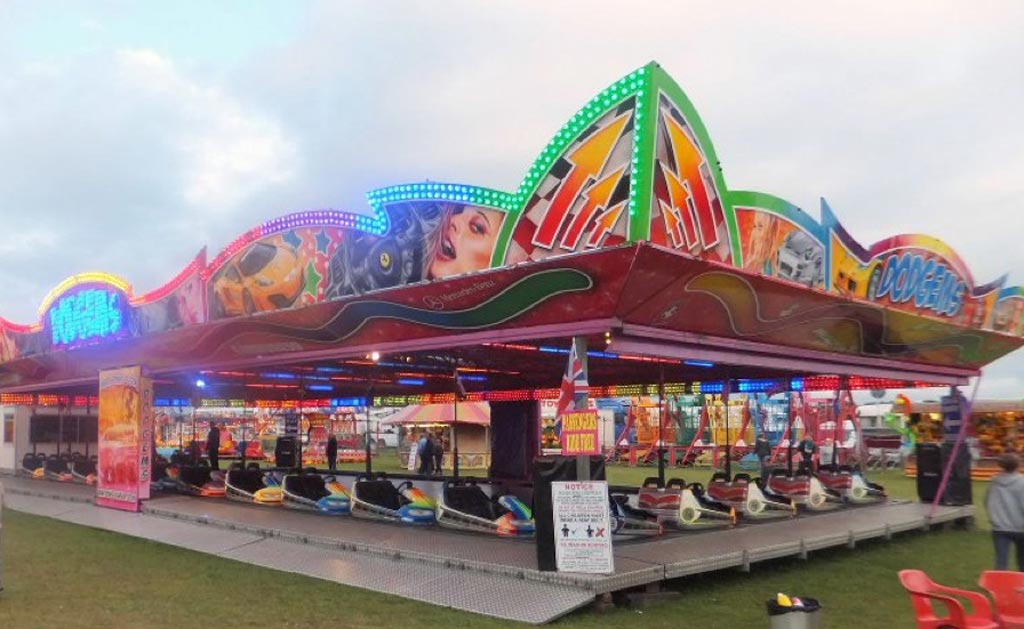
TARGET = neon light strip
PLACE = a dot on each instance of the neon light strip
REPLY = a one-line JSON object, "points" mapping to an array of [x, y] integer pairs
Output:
{"points": [[91, 277], [456, 193], [197, 265]]}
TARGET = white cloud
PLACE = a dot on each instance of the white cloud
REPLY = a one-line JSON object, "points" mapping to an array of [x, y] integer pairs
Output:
{"points": [[229, 152]]}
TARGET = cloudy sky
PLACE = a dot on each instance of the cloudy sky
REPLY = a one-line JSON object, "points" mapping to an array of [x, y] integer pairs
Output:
{"points": [[133, 133]]}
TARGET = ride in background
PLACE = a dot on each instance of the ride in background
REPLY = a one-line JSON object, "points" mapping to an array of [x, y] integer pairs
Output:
{"points": [[995, 427]]}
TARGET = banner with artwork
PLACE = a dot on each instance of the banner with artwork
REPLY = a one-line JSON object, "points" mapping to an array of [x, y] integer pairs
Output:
{"points": [[634, 165], [777, 242], [125, 438]]}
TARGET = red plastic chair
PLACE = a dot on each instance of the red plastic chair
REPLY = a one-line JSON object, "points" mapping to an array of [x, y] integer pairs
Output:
{"points": [[1007, 590], [923, 592]]}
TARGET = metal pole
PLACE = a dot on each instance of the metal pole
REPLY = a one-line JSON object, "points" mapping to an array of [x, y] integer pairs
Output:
{"points": [[455, 423], [661, 426], [728, 440], [789, 444], [369, 457]]}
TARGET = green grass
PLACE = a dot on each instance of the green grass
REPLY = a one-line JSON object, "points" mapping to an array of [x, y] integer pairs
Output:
{"points": [[62, 575]]}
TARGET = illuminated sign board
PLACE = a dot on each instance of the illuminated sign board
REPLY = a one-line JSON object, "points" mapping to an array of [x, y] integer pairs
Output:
{"points": [[87, 315]]}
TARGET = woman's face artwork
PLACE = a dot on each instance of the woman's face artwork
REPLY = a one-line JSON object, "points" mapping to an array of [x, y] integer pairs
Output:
{"points": [[467, 240]]}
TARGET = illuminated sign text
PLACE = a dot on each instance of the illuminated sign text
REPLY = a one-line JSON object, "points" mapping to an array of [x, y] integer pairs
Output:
{"points": [[86, 315]]}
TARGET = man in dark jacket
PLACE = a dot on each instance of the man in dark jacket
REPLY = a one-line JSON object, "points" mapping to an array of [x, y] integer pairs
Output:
{"points": [[425, 450], [1004, 502], [438, 454], [213, 446], [332, 452], [763, 450]]}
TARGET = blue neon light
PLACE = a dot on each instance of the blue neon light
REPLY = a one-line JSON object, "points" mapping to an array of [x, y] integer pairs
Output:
{"points": [[278, 375], [86, 315], [711, 387], [320, 387], [411, 381], [796, 384], [473, 378], [553, 350], [332, 370], [348, 401], [699, 363]]}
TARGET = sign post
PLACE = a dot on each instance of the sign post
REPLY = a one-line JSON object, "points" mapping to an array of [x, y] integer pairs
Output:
{"points": [[583, 534]]}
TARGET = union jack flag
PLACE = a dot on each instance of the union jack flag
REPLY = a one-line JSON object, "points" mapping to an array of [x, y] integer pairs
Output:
{"points": [[574, 385]]}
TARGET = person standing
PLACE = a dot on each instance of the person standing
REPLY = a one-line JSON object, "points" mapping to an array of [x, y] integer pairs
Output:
{"points": [[332, 452], [425, 449], [806, 449], [213, 446], [763, 450], [438, 454], [1004, 502]]}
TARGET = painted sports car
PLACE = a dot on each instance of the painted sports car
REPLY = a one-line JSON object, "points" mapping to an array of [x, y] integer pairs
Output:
{"points": [[267, 276]]}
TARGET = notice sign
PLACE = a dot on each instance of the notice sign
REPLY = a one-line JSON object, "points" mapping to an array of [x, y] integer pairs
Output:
{"points": [[583, 534], [579, 433]]}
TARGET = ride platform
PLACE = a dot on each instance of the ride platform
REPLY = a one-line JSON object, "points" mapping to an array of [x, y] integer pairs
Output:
{"points": [[467, 571]]}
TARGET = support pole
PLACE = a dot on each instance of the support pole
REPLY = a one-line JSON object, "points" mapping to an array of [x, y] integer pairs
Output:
{"points": [[792, 435], [728, 441], [456, 390], [355, 426], [661, 426], [583, 470]]}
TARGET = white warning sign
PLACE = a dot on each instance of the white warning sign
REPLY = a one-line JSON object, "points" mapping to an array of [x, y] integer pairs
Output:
{"points": [[583, 534]]}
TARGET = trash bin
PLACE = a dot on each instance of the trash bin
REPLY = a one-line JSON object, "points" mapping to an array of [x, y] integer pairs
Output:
{"points": [[807, 615]]}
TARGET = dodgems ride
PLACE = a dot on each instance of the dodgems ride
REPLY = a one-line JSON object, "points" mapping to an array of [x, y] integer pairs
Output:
{"points": [[378, 499], [252, 485], [308, 491], [747, 497], [683, 505], [464, 505]]}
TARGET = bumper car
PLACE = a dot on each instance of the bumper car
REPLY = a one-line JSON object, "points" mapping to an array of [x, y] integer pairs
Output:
{"points": [[744, 495], [850, 484], [252, 485], [379, 499], [83, 469], [197, 480], [57, 468], [802, 489], [629, 521], [313, 492], [683, 506], [465, 506], [33, 465]]}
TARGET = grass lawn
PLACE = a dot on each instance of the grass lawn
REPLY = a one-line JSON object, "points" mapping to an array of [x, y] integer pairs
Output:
{"points": [[62, 575]]}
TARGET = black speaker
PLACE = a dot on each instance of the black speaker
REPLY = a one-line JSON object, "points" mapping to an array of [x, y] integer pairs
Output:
{"points": [[929, 471], [958, 488], [284, 452], [547, 470]]}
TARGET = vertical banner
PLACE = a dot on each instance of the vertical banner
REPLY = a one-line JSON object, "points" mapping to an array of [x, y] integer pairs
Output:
{"points": [[125, 438], [583, 534]]}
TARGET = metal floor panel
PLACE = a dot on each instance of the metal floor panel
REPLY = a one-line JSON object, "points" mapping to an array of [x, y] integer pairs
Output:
{"points": [[459, 569], [461, 550]]}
